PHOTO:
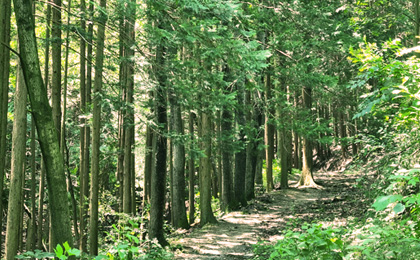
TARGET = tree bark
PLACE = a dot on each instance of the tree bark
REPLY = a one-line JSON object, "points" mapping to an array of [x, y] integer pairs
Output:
{"points": [[5, 10], [83, 170], [46, 128], [96, 131], [129, 116], [240, 156], [41, 205], [56, 64], [227, 194], [306, 177], [15, 206], [206, 211], [191, 170], [251, 149], [178, 181], [269, 133], [30, 243], [158, 180]]}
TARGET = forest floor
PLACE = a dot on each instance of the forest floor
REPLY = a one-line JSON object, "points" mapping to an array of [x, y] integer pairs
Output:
{"points": [[267, 216]]}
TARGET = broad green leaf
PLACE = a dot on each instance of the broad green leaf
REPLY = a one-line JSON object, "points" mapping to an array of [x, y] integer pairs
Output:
{"points": [[382, 202], [399, 208], [59, 251]]}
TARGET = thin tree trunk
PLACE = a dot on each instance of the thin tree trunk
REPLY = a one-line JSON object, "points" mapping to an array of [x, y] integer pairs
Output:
{"points": [[343, 134], [191, 170], [96, 131], [416, 23], [240, 156], [5, 10], [30, 244], [82, 169], [219, 153], [56, 64], [41, 205], [129, 116], [227, 194], [269, 134], [251, 150], [43, 170], [14, 212], [306, 177], [148, 165]]}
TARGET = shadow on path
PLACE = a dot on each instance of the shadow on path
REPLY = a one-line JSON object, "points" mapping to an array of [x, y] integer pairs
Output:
{"points": [[266, 216]]}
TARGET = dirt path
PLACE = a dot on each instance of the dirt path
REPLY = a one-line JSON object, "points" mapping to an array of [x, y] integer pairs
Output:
{"points": [[265, 218]]}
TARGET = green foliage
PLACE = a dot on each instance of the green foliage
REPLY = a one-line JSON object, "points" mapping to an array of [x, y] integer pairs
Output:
{"points": [[315, 242]]}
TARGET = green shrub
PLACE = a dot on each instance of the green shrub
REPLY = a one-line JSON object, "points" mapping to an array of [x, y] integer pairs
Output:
{"points": [[315, 242]]}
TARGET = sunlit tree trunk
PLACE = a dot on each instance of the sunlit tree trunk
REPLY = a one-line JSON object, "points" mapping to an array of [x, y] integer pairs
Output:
{"points": [[306, 177], [14, 211], [96, 131]]}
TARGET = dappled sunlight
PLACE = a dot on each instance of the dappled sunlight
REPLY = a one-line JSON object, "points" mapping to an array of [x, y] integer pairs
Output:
{"points": [[266, 218]]}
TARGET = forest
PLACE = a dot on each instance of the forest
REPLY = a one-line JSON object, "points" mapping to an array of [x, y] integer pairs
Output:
{"points": [[209, 129]]}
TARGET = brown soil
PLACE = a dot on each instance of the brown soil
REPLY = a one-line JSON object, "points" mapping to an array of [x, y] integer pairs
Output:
{"points": [[269, 214]]}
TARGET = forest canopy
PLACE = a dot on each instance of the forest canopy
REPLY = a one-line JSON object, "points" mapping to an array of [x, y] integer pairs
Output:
{"points": [[124, 120]]}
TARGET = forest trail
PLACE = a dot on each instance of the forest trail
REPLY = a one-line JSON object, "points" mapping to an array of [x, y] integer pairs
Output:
{"points": [[265, 217]]}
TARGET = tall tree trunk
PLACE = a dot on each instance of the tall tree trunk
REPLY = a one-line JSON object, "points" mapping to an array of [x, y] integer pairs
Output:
{"points": [[63, 132], [227, 194], [191, 170], [41, 205], [205, 172], [343, 134], [83, 171], [46, 128], [251, 149], [56, 64], [259, 141], [43, 170], [158, 180], [178, 181], [148, 164], [306, 177], [96, 131], [269, 132], [240, 156], [5, 10], [285, 139], [129, 115], [15, 206], [30, 243], [416, 23]]}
